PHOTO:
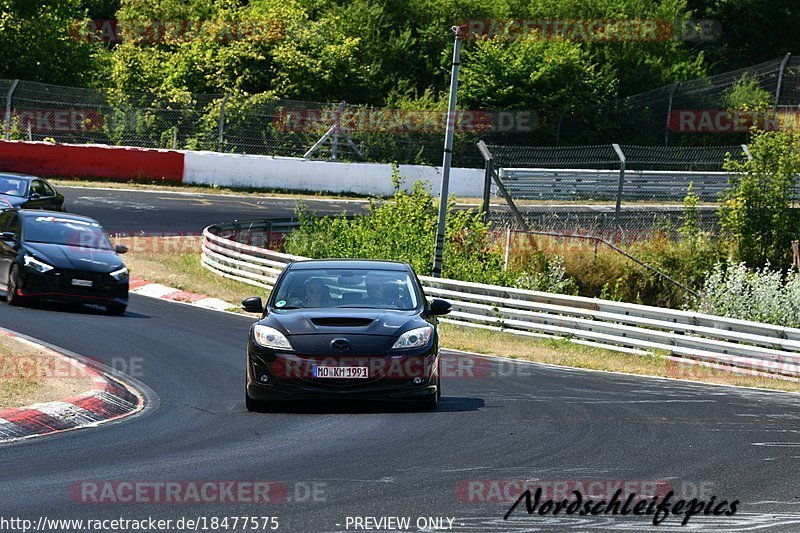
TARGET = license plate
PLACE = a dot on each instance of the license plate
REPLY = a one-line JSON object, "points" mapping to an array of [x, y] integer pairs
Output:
{"points": [[82, 282], [341, 372]]}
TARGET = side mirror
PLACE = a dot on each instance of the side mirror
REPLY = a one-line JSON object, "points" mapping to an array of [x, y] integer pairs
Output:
{"points": [[120, 249], [440, 307], [35, 196], [8, 236], [253, 305]]}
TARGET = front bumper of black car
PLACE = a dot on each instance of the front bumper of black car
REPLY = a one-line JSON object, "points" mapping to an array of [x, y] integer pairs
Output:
{"points": [[398, 377], [59, 285]]}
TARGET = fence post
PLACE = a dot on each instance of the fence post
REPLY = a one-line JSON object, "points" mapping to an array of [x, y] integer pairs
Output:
{"points": [[780, 80], [220, 138], [618, 208], [8, 109], [487, 180], [746, 150], [669, 112]]}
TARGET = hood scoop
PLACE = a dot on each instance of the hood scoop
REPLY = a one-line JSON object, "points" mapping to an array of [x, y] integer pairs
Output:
{"points": [[342, 321]]}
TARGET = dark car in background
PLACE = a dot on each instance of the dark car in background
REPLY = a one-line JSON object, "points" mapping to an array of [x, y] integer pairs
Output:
{"points": [[46, 255], [28, 192], [345, 329]]}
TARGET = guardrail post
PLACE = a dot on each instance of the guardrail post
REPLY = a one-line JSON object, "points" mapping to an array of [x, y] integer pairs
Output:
{"points": [[618, 208], [9, 94]]}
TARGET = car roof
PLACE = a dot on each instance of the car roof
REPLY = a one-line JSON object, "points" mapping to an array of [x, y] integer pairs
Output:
{"points": [[56, 214], [19, 176], [355, 264]]}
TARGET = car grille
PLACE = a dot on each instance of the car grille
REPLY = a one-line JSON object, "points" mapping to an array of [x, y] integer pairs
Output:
{"points": [[100, 281]]}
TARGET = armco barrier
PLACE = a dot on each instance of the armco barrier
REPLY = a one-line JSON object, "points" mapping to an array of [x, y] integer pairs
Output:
{"points": [[617, 325], [83, 160]]}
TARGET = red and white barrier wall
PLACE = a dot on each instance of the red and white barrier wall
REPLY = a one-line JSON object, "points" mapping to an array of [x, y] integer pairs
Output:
{"points": [[227, 170]]}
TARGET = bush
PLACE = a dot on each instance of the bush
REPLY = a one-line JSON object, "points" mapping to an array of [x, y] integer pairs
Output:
{"points": [[762, 295], [758, 213], [403, 229]]}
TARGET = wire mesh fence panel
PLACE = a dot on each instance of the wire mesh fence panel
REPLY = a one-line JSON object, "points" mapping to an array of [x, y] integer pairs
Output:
{"points": [[694, 112], [248, 124]]}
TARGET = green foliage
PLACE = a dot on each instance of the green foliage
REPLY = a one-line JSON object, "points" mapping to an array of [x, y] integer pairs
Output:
{"points": [[758, 213], [690, 222], [531, 74], [551, 277], [402, 228], [763, 295], [39, 42], [747, 95]]}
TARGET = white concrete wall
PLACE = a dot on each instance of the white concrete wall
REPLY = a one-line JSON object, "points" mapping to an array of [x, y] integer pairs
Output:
{"points": [[267, 172]]}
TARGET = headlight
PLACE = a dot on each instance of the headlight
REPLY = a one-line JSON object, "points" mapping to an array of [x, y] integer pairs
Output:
{"points": [[414, 338], [119, 274], [271, 338], [39, 266]]}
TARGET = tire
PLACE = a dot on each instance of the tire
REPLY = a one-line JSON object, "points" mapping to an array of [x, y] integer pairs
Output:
{"points": [[116, 309], [12, 298]]}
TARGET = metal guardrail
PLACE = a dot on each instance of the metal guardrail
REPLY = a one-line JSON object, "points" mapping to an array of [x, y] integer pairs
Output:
{"points": [[616, 325], [590, 184]]}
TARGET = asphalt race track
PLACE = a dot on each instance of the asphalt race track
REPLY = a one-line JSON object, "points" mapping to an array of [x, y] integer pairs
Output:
{"points": [[512, 421], [130, 211]]}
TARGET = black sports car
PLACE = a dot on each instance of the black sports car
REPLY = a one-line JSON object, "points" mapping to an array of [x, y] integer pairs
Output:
{"points": [[58, 256], [28, 192], [345, 329]]}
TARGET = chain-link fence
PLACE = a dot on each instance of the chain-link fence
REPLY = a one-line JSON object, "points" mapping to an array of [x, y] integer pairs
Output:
{"points": [[252, 124], [603, 190], [700, 111]]}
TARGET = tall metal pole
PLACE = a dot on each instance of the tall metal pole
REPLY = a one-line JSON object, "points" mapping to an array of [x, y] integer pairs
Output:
{"points": [[448, 154]]}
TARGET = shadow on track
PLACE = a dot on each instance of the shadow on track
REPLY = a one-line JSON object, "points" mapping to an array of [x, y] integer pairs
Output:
{"points": [[74, 308], [451, 404]]}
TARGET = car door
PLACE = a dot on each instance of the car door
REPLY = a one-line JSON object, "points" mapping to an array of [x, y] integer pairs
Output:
{"points": [[37, 196], [9, 221]]}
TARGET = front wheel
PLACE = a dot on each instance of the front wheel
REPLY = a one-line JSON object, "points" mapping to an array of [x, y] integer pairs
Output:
{"points": [[12, 298]]}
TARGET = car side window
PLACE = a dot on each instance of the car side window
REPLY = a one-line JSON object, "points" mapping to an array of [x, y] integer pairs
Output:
{"points": [[48, 190], [38, 187], [13, 225]]}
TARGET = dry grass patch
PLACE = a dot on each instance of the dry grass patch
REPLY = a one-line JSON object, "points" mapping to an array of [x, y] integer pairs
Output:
{"points": [[29, 374], [156, 260], [565, 353]]}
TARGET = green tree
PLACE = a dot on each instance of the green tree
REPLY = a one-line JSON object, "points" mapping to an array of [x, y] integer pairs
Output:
{"points": [[40, 41], [759, 213]]}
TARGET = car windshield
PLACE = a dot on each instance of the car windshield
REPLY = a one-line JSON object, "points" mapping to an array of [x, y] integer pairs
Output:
{"points": [[366, 288], [66, 231], [13, 186]]}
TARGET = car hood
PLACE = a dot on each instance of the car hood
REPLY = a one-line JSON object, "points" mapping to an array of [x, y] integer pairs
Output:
{"points": [[352, 321], [75, 257], [14, 201]]}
